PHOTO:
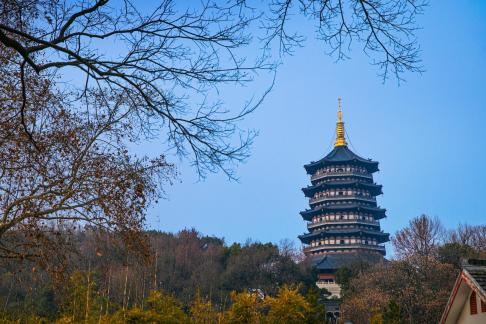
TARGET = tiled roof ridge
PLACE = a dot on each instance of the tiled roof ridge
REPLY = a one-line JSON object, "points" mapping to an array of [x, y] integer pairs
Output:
{"points": [[475, 282], [474, 262], [475, 270]]}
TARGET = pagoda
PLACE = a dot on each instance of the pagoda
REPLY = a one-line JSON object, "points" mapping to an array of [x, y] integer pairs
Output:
{"points": [[344, 218]]}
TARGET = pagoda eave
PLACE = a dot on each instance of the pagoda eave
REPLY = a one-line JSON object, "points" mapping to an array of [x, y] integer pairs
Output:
{"points": [[333, 200], [332, 261], [379, 236], [341, 155], [375, 189], [330, 224], [312, 167], [317, 251], [378, 213]]}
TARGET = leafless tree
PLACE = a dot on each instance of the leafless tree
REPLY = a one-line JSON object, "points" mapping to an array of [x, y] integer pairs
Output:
{"points": [[385, 29], [421, 292], [421, 238], [473, 236], [161, 58], [158, 59]]}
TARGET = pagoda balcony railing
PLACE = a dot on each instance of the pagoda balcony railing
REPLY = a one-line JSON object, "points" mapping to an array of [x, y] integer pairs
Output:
{"points": [[342, 221], [380, 248], [344, 197], [337, 173]]}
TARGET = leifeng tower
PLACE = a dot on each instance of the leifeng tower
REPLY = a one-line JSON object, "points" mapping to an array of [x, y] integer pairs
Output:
{"points": [[344, 217]]}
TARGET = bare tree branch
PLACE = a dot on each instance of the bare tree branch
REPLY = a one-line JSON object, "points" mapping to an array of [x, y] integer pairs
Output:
{"points": [[385, 28]]}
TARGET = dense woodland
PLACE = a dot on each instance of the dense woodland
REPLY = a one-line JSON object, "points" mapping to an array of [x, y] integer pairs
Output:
{"points": [[103, 278], [189, 277]]}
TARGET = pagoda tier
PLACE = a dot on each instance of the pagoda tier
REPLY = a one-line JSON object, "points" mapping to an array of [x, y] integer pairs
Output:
{"points": [[340, 174], [360, 234], [343, 249], [339, 210], [344, 216], [322, 224], [328, 187], [338, 156], [359, 198]]}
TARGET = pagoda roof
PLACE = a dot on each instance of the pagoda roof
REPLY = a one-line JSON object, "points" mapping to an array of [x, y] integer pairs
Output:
{"points": [[334, 261], [381, 236], [342, 200], [379, 213], [331, 224], [311, 190], [341, 154]]}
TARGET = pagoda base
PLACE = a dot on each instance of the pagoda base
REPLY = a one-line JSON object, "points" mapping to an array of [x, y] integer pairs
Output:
{"points": [[333, 288], [333, 312], [328, 282]]}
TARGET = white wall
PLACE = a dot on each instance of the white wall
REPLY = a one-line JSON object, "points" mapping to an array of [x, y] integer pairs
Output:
{"points": [[467, 318]]}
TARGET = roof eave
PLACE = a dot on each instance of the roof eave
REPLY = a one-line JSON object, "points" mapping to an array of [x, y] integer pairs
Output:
{"points": [[478, 287]]}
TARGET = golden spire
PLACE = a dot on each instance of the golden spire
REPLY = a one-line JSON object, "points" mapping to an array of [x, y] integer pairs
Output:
{"points": [[340, 140]]}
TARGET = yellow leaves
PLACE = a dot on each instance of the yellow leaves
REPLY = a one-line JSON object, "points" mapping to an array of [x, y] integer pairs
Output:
{"points": [[161, 308], [289, 306], [203, 312], [377, 319], [166, 306], [65, 320], [246, 308]]}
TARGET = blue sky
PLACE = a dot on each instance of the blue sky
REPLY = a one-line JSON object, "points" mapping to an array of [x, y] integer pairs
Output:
{"points": [[427, 133]]}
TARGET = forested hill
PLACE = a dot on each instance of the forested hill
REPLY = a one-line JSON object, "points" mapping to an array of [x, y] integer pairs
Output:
{"points": [[191, 278], [103, 273]]}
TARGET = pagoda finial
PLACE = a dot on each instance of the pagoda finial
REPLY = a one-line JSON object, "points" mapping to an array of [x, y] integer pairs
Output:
{"points": [[340, 140]]}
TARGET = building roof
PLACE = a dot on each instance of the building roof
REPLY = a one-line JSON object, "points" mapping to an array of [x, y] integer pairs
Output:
{"points": [[377, 212], [348, 222], [342, 200], [477, 272], [307, 238], [373, 187], [471, 278], [334, 261], [339, 155]]}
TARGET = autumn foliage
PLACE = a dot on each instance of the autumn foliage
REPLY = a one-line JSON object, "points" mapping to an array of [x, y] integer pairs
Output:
{"points": [[415, 286], [191, 278]]}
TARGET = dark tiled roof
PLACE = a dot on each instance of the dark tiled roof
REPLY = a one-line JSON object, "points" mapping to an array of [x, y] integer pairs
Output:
{"points": [[477, 270], [310, 190], [308, 214], [341, 154], [343, 231], [382, 237], [338, 260]]}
